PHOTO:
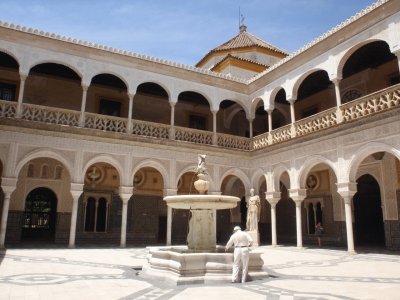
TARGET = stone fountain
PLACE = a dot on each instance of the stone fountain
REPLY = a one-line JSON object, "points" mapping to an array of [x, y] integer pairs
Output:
{"points": [[201, 260]]}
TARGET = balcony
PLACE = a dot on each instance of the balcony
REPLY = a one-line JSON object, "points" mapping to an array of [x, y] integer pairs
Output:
{"points": [[381, 101]]}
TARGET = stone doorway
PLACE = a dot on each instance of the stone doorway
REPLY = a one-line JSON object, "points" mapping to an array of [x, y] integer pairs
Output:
{"points": [[369, 227], [39, 218]]}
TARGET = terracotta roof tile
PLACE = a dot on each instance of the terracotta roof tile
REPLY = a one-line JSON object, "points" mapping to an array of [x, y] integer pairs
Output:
{"points": [[245, 39]]}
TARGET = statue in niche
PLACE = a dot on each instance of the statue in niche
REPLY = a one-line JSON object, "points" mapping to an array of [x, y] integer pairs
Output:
{"points": [[253, 212]]}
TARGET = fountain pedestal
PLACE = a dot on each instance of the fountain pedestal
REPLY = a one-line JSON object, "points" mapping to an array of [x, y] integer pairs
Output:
{"points": [[201, 261]]}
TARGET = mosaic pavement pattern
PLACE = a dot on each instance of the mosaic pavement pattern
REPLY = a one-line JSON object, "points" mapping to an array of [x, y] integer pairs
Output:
{"points": [[115, 274]]}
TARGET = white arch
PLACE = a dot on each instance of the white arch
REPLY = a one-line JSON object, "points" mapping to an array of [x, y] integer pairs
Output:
{"points": [[13, 55], [302, 77], [238, 173], [161, 84], [151, 163], [277, 173], [311, 162], [56, 61], [104, 158], [351, 172], [345, 56], [274, 93], [40, 153], [255, 178], [109, 72], [255, 105], [210, 103]]}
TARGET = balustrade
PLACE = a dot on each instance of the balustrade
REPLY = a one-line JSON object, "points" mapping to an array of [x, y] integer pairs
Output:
{"points": [[52, 115], [150, 129], [106, 123], [383, 100], [7, 109]]}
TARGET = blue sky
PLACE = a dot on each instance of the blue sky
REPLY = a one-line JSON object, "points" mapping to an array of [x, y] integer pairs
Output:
{"points": [[179, 30]]}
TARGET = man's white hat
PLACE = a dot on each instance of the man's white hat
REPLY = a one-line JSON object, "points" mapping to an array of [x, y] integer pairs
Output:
{"points": [[236, 228]]}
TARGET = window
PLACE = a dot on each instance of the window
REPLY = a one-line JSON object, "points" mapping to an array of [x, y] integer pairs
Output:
{"points": [[45, 171], [110, 108], [197, 122], [31, 171], [58, 172], [96, 213], [314, 210], [7, 91], [351, 95]]}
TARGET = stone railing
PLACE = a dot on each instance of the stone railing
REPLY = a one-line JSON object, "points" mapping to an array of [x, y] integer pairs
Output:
{"points": [[383, 100], [317, 122], [149, 129], [233, 142], [52, 115], [374, 103], [8, 109], [193, 135], [371, 104], [106, 123]]}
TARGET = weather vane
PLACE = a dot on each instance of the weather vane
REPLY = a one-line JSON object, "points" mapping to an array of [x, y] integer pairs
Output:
{"points": [[241, 19]]}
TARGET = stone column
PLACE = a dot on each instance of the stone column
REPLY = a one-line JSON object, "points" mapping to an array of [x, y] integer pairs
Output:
{"points": [[215, 139], [8, 185], [125, 193], [83, 105], [251, 128], [76, 191], [292, 112], [21, 94], [172, 129], [169, 192], [269, 112], [273, 199], [169, 225], [298, 195], [338, 100], [130, 108], [347, 190]]}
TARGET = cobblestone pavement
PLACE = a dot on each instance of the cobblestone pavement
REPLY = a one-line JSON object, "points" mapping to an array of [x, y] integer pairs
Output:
{"points": [[115, 274]]}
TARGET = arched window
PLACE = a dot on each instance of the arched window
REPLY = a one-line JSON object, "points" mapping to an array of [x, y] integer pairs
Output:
{"points": [[351, 95], [31, 171], [45, 171], [96, 212], [314, 211], [58, 172]]}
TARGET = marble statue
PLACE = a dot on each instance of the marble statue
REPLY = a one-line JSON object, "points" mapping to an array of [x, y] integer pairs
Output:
{"points": [[253, 212], [201, 165]]}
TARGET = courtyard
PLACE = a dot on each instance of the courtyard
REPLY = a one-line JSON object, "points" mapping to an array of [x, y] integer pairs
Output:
{"points": [[115, 273]]}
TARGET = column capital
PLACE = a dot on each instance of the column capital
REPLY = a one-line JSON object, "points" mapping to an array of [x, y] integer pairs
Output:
{"points": [[346, 189], [126, 189], [172, 103], [76, 190], [298, 195], [8, 184], [23, 76], [273, 198], [131, 95], [85, 87], [269, 109]]}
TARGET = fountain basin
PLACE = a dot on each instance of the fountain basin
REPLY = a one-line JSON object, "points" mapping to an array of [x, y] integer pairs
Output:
{"points": [[201, 201], [178, 265]]}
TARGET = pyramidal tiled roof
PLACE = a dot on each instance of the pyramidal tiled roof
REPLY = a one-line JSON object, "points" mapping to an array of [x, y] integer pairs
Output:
{"points": [[245, 39]]}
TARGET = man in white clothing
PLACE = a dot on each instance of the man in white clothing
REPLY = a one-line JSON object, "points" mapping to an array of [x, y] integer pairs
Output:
{"points": [[241, 241]]}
